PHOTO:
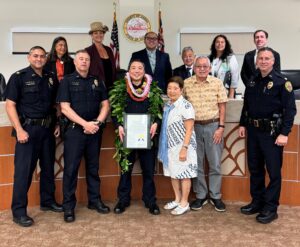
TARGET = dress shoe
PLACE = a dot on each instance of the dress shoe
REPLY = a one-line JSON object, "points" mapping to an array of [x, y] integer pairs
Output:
{"points": [[154, 209], [99, 206], [266, 217], [24, 220], [250, 209], [120, 207], [69, 215], [55, 207]]}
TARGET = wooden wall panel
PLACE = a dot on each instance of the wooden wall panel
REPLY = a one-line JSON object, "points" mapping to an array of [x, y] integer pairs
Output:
{"points": [[293, 141], [289, 167], [5, 196], [6, 169], [7, 142]]}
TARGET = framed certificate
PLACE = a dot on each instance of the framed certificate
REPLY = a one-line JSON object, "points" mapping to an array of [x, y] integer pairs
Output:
{"points": [[137, 131]]}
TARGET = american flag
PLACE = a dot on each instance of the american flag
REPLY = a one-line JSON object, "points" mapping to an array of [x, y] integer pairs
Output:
{"points": [[161, 42], [114, 44]]}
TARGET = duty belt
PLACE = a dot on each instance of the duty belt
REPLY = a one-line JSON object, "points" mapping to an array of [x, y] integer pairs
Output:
{"points": [[74, 125], [43, 122], [261, 123]]}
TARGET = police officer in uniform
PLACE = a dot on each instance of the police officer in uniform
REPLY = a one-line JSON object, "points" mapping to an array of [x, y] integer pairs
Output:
{"points": [[30, 101], [267, 115], [84, 101]]}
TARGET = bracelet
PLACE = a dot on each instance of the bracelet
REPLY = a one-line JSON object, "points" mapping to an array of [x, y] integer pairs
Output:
{"points": [[185, 146], [221, 126]]}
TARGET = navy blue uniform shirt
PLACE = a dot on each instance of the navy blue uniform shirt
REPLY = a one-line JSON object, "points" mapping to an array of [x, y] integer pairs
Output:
{"points": [[270, 95], [34, 95], [84, 95]]}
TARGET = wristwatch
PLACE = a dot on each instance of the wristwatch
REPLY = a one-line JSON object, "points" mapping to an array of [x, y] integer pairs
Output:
{"points": [[185, 146], [221, 126], [99, 123]]}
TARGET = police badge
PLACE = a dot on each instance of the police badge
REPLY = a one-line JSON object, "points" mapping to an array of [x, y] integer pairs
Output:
{"points": [[96, 83], [51, 81], [288, 86], [270, 85]]}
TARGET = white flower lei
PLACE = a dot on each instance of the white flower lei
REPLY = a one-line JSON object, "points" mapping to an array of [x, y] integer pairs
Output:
{"points": [[146, 89]]}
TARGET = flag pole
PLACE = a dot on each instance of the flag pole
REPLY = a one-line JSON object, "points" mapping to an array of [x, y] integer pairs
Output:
{"points": [[114, 45], [161, 43], [115, 10]]}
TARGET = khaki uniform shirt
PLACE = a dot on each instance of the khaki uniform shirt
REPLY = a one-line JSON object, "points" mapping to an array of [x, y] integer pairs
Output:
{"points": [[205, 96]]}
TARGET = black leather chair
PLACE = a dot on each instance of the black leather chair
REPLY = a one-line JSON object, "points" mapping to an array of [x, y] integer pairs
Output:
{"points": [[293, 76], [2, 87]]}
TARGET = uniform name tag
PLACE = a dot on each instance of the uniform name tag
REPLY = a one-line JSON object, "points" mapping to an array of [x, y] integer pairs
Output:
{"points": [[30, 83]]}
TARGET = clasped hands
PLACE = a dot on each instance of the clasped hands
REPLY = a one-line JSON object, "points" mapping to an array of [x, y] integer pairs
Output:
{"points": [[91, 127]]}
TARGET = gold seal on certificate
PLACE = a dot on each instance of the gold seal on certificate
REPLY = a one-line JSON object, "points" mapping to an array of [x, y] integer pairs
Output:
{"points": [[137, 131]]}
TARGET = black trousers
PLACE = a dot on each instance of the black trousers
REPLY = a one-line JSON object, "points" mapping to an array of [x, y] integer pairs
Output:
{"points": [[78, 145], [40, 146], [264, 154], [147, 162]]}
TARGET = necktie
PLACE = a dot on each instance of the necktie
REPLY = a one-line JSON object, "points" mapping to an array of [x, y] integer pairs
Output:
{"points": [[189, 72]]}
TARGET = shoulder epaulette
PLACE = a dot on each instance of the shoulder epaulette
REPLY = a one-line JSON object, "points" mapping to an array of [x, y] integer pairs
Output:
{"points": [[19, 72]]}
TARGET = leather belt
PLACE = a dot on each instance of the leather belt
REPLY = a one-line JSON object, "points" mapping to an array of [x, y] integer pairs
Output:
{"points": [[204, 122]]}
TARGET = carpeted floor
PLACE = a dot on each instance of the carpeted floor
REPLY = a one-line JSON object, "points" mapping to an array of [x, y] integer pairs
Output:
{"points": [[136, 227]]}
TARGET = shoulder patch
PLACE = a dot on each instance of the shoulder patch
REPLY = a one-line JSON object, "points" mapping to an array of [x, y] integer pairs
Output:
{"points": [[288, 86]]}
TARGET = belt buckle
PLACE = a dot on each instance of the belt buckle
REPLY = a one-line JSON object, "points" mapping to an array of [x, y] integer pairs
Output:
{"points": [[256, 123]]}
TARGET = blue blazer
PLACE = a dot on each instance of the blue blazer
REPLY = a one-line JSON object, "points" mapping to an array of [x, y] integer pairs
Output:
{"points": [[163, 68]]}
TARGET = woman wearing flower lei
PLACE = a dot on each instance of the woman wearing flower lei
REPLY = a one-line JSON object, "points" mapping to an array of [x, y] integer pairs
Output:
{"points": [[136, 94]]}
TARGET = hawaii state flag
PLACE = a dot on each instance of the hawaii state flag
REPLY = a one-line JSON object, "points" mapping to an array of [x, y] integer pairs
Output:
{"points": [[114, 44], [161, 43]]}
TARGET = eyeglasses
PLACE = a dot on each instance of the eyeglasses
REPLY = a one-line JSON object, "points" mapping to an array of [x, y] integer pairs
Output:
{"points": [[152, 38], [205, 67]]}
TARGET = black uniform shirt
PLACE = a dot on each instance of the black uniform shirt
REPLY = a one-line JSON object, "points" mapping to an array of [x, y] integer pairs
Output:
{"points": [[270, 95], [34, 95], [84, 94]]}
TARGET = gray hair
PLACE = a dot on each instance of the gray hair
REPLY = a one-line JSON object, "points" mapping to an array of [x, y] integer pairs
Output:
{"points": [[202, 57], [185, 49]]}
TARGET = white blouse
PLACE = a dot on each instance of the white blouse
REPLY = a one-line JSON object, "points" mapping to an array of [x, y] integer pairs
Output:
{"points": [[219, 69]]}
